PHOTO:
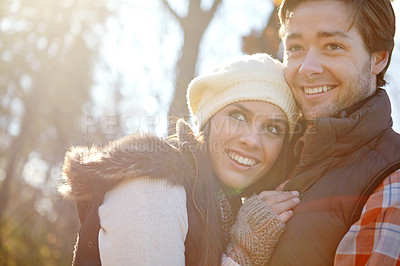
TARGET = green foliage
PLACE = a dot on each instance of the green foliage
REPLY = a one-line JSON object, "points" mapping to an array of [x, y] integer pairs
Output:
{"points": [[30, 238]]}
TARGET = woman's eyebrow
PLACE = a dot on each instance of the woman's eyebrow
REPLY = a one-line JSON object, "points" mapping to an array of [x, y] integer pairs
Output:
{"points": [[242, 107], [278, 120]]}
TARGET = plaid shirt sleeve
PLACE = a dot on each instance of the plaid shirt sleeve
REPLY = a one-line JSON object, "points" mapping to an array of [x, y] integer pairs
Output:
{"points": [[375, 238]]}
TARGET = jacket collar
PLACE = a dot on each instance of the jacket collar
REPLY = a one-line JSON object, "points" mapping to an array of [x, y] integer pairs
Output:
{"points": [[336, 137]]}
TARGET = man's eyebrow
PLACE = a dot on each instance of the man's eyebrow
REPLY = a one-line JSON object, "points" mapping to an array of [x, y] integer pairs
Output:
{"points": [[325, 34], [321, 34], [293, 36]]}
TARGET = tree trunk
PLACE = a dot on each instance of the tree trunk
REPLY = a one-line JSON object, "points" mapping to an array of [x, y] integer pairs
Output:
{"points": [[193, 26], [16, 149]]}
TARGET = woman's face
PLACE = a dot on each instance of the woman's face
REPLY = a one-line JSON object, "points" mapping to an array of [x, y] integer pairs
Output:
{"points": [[245, 140]]}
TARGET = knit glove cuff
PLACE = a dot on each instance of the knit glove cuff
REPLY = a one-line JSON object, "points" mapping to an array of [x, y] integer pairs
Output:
{"points": [[255, 233]]}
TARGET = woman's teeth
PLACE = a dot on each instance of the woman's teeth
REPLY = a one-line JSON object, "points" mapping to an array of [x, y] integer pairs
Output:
{"points": [[316, 90], [241, 160]]}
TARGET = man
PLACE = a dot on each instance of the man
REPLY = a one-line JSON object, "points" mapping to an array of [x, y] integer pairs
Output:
{"points": [[336, 56]]}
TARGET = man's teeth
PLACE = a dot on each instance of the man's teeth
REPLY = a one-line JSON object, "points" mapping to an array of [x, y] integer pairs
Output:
{"points": [[316, 90], [242, 160]]}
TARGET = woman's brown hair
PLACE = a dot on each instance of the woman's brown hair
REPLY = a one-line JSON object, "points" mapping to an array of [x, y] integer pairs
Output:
{"points": [[205, 239]]}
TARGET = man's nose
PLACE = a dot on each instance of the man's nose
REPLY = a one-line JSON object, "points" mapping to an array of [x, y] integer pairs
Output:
{"points": [[311, 64]]}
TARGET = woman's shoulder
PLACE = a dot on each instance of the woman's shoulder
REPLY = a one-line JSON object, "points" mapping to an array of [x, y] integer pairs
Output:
{"points": [[154, 196], [91, 169], [146, 192]]}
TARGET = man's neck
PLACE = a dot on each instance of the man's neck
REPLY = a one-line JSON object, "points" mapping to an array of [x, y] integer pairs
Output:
{"points": [[351, 109]]}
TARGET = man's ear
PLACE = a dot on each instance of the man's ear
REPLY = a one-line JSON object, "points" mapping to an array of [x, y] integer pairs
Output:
{"points": [[379, 61]]}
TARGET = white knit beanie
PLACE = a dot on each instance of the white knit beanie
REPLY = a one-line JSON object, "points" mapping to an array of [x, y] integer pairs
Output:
{"points": [[256, 77]]}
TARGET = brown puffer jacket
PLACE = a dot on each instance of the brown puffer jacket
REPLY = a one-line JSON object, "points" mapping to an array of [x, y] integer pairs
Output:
{"points": [[342, 161]]}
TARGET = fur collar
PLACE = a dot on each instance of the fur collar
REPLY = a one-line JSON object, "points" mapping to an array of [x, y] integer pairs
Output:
{"points": [[93, 169]]}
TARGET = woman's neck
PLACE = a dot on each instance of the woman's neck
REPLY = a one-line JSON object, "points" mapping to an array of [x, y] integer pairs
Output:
{"points": [[229, 191]]}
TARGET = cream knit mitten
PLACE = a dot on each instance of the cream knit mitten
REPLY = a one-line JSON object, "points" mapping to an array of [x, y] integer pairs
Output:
{"points": [[254, 233]]}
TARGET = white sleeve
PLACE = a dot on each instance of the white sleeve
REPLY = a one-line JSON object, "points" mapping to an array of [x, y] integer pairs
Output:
{"points": [[143, 222], [227, 261]]}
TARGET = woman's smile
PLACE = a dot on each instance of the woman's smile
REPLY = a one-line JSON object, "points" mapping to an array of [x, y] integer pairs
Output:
{"points": [[241, 160]]}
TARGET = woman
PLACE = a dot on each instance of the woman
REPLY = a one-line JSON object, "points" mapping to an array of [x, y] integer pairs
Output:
{"points": [[171, 202]]}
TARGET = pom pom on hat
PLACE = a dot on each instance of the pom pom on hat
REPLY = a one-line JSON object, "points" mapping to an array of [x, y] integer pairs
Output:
{"points": [[256, 77]]}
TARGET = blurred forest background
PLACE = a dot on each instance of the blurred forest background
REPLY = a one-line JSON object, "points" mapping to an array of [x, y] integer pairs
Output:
{"points": [[76, 72]]}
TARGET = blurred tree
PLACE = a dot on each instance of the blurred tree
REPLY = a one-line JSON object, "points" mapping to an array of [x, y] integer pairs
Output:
{"points": [[193, 26], [47, 53], [266, 41]]}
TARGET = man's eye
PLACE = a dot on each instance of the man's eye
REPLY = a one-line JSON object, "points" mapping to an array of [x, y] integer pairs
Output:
{"points": [[294, 49], [333, 46], [237, 115]]}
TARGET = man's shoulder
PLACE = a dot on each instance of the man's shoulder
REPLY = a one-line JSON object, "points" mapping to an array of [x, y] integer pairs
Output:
{"points": [[390, 135], [392, 181], [388, 144]]}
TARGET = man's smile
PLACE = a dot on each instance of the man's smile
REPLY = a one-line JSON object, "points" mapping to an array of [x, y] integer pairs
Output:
{"points": [[316, 90]]}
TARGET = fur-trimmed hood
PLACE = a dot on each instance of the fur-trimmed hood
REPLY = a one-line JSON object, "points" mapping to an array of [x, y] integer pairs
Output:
{"points": [[91, 169]]}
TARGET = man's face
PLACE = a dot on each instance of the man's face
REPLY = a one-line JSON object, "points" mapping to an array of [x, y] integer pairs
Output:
{"points": [[326, 64]]}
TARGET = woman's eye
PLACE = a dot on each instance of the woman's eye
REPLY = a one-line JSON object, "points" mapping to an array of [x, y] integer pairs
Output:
{"points": [[273, 129], [237, 115]]}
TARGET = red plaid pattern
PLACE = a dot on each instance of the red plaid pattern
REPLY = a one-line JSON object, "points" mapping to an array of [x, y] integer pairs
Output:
{"points": [[375, 238]]}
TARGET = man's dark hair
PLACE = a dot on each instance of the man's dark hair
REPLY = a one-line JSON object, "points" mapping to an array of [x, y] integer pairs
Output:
{"points": [[374, 19]]}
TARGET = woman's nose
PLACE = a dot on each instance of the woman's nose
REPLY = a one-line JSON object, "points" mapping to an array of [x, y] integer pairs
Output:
{"points": [[250, 139]]}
